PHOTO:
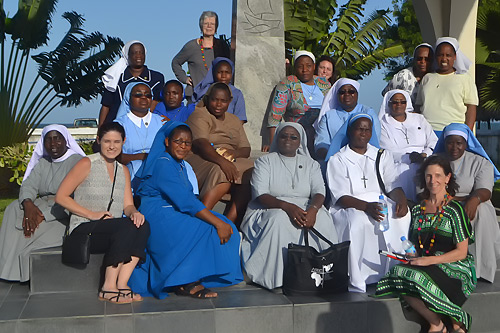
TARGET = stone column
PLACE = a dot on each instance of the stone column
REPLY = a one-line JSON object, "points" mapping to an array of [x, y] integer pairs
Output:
{"points": [[453, 18], [258, 43]]}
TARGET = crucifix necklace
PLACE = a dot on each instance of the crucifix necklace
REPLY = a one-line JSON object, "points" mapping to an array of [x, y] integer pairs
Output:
{"points": [[364, 179]]}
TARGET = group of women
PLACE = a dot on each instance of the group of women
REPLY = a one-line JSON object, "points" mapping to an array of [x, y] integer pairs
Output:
{"points": [[325, 169]]}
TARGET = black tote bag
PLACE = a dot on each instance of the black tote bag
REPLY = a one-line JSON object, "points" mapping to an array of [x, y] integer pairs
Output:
{"points": [[309, 272]]}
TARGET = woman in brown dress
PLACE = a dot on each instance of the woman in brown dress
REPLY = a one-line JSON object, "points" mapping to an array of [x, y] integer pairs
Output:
{"points": [[221, 150]]}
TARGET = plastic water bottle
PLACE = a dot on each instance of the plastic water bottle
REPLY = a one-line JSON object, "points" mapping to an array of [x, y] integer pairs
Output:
{"points": [[384, 224], [408, 246]]}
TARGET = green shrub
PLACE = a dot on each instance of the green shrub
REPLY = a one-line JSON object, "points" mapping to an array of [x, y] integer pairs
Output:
{"points": [[16, 158], [86, 146]]}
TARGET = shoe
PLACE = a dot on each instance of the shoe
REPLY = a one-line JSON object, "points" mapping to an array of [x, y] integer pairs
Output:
{"points": [[127, 292], [114, 299], [200, 294]]}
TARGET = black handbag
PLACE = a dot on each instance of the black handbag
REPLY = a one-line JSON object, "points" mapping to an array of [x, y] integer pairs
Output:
{"points": [[76, 246], [309, 272]]}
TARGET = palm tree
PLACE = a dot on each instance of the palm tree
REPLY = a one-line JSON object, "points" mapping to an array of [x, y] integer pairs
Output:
{"points": [[65, 75], [488, 60], [353, 43]]}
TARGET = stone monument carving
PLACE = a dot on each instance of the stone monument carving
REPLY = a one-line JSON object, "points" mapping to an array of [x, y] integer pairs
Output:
{"points": [[258, 43]]}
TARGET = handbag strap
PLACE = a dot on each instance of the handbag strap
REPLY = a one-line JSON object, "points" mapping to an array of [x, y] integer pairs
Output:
{"points": [[377, 169], [113, 187], [317, 233], [109, 205]]}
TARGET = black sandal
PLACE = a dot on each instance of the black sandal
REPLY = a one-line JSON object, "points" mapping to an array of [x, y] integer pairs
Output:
{"points": [[127, 292], [113, 299], [186, 289]]}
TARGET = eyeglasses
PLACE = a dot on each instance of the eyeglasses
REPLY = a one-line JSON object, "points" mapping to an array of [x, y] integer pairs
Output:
{"points": [[139, 95], [180, 142], [209, 24], [350, 92], [423, 58], [289, 137], [398, 102]]}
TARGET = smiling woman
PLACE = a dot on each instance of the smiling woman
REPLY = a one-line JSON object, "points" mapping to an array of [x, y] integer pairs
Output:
{"points": [[190, 247]]}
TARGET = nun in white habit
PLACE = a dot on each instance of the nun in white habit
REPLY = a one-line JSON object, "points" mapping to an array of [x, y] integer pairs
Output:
{"points": [[407, 135], [355, 190], [288, 194]]}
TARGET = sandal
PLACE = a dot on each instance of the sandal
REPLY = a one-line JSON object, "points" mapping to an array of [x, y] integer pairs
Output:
{"points": [[113, 299], [127, 292], [185, 290]]}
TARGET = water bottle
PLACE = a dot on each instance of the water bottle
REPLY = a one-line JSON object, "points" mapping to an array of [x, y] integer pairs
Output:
{"points": [[384, 224], [408, 246]]}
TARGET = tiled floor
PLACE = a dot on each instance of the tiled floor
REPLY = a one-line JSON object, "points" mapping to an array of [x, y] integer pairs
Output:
{"points": [[241, 308]]}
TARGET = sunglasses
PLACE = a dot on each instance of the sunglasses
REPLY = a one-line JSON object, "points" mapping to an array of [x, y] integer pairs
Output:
{"points": [[139, 95], [423, 58], [398, 102], [350, 92], [289, 137], [180, 142]]}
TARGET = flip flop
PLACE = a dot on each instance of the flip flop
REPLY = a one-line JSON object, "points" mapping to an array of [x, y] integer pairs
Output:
{"points": [[113, 299]]}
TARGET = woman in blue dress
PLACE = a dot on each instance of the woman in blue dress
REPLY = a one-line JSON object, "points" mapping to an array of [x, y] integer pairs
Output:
{"points": [[190, 248], [140, 126]]}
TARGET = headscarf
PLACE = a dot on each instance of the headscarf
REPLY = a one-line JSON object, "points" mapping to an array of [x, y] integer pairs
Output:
{"points": [[125, 103], [201, 88], [331, 100], [420, 45], [462, 63], [473, 144], [302, 150], [39, 152], [301, 53], [112, 74], [385, 108], [341, 138], [157, 148]]}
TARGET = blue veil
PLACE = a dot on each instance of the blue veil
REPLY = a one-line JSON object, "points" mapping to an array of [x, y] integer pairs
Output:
{"points": [[341, 138], [473, 144]]}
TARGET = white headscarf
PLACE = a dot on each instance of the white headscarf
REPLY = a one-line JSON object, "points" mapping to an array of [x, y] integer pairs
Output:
{"points": [[39, 152], [462, 63], [420, 45], [331, 100], [112, 74], [302, 150], [301, 53], [385, 108]]}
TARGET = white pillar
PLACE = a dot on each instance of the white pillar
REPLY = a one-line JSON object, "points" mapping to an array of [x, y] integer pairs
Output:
{"points": [[453, 18]]}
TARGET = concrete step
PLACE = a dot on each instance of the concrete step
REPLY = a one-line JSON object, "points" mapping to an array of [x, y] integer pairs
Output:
{"points": [[244, 308], [49, 274]]}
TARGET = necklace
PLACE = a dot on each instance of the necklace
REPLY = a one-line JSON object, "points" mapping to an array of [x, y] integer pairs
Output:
{"points": [[435, 221], [404, 130], [309, 91], [364, 179], [203, 52], [293, 174]]}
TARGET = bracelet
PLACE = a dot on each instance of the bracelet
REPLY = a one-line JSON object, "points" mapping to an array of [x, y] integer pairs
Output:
{"points": [[313, 206], [478, 198]]}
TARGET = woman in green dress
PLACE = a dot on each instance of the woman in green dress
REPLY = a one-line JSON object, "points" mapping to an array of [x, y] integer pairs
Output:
{"points": [[438, 281]]}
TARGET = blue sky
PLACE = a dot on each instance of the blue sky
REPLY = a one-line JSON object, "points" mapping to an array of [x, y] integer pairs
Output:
{"points": [[164, 26]]}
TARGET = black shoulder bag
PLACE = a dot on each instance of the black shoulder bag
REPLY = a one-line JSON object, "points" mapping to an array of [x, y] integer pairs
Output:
{"points": [[76, 246]]}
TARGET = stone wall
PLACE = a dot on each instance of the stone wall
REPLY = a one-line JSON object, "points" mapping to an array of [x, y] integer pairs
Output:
{"points": [[258, 43]]}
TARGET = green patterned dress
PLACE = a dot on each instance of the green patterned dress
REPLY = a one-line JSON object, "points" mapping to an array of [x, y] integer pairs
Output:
{"points": [[443, 287]]}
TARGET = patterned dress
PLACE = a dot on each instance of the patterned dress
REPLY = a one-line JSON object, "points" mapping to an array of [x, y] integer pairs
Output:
{"points": [[443, 287], [289, 101]]}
